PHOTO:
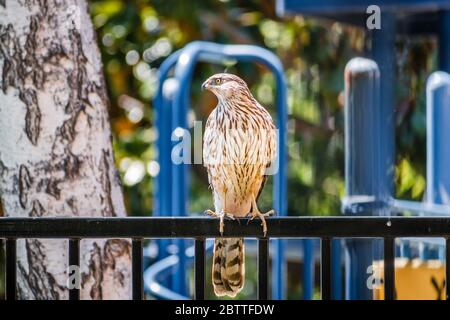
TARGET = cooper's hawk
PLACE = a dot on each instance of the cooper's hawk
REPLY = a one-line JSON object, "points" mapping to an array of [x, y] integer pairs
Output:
{"points": [[238, 147]]}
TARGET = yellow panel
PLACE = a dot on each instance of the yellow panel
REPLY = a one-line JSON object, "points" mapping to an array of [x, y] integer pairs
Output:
{"points": [[415, 280]]}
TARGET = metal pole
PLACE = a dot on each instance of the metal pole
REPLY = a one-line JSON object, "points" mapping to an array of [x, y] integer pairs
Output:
{"points": [[263, 269], [382, 51], [438, 133], [378, 154], [74, 260], [164, 178], [279, 265], [308, 269], [199, 271], [163, 182], [389, 268], [325, 268], [137, 267], [367, 166], [336, 272], [11, 269], [180, 183]]}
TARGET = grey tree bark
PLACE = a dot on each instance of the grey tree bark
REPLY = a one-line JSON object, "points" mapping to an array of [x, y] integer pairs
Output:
{"points": [[56, 155]]}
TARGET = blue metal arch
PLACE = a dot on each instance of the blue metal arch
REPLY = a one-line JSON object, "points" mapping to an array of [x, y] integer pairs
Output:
{"points": [[175, 199], [163, 184]]}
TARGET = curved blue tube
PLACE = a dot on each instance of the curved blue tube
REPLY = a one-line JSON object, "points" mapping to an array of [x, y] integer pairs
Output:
{"points": [[163, 183], [216, 53]]}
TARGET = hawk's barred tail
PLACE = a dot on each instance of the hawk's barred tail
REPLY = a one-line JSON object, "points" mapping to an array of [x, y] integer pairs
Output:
{"points": [[228, 272]]}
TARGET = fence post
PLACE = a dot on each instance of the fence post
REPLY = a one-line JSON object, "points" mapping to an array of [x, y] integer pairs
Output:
{"points": [[438, 134], [368, 164], [336, 272], [163, 186]]}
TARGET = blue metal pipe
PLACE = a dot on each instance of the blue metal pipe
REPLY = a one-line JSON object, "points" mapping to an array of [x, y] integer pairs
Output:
{"points": [[420, 208], [382, 51], [162, 115], [162, 204], [438, 129], [336, 270], [371, 157], [308, 269], [438, 153], [438, 133], [367, 166]]}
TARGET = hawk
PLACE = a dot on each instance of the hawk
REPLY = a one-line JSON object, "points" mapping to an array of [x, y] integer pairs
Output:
{"points": [[238, 147]]}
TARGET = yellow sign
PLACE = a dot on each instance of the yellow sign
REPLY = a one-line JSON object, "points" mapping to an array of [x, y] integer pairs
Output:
{"points": [[414, 279]]}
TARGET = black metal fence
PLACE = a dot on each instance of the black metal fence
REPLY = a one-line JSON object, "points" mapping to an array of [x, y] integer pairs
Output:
{"points": [[138, 229]]}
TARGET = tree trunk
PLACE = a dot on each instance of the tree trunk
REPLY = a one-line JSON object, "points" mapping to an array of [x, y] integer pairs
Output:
{"points": [[56, 155]]}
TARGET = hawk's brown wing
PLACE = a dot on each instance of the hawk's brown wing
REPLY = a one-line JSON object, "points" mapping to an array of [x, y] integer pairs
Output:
{"points": [[263, 183]]}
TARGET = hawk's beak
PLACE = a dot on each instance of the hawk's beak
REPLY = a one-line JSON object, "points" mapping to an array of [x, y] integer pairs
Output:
{"points": [[205, 85]]}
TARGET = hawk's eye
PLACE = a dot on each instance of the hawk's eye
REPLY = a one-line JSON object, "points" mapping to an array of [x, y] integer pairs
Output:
{"points": [[218, 81]]}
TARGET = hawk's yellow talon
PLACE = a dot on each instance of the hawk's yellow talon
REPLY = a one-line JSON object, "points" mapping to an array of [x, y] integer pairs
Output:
{"points": [[221, 215], [256, 213]]}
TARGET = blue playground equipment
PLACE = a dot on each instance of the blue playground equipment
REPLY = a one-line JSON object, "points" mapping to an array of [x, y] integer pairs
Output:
{"points": [[369, 134], [370, 118], [171, 114]]}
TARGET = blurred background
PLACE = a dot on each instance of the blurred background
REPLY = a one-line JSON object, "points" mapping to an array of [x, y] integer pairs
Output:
{"points": [[135, 36]]}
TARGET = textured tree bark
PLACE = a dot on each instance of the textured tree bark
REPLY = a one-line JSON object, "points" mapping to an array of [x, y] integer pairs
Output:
{"points": [[56, 155]]}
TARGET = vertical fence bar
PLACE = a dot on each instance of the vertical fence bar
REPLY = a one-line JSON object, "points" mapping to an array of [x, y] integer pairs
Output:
{"points": [[163, 182], [163, 191], [325, 268], [199, 269], [137, 261], [367, 165], [308, 269], [447, 268], [74, 260], [336, 270], [180, 173], [389, 268], [263, 269], [11, 271], [279, 265]]}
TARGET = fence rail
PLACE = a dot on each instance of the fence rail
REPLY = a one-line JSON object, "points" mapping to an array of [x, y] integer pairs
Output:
{"points": [[200, 228]]}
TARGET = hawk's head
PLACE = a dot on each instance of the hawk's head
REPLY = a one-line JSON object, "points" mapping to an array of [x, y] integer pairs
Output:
{"points": [[225, 85]]}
